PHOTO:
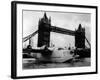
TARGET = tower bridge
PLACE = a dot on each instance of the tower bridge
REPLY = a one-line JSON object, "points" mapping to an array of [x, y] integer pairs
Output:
{"points": [[45, 27]]}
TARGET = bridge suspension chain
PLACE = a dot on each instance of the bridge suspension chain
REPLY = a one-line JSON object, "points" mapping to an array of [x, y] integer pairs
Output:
{"points": [[88, 42], [29, 36]]}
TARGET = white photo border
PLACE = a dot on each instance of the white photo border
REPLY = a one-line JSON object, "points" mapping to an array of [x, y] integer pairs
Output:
{"points": [[18, 72]]}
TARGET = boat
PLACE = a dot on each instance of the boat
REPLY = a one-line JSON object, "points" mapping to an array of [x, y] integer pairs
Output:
{"points": [[49, 54]]}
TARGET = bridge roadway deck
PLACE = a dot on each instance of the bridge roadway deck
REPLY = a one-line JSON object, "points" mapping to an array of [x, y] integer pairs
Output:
{"points": [[62, 30]]}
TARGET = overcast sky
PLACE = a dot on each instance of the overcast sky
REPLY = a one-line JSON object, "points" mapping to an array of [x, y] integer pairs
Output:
{"points": [[60, 19]]}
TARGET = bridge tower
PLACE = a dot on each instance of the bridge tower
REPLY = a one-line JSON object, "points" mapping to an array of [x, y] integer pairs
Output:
{"points": [[80, 37], [44, 31]]}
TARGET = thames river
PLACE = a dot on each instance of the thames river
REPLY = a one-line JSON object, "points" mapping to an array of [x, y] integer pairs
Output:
{"points": [[29, 64]]}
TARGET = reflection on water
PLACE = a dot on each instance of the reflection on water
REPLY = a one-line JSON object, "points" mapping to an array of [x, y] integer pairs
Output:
{"points": [[30, 64]]}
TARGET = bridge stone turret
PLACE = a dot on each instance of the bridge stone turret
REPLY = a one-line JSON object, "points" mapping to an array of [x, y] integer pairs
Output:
{"points": [[44, 31], [80, 37]]}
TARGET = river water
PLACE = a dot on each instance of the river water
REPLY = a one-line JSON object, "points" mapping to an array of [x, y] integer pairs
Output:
{"points": [[29, 64]]}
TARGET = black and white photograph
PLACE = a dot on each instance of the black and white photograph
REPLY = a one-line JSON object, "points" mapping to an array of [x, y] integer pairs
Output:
{"points": [[56, 39], [53, 39]]}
